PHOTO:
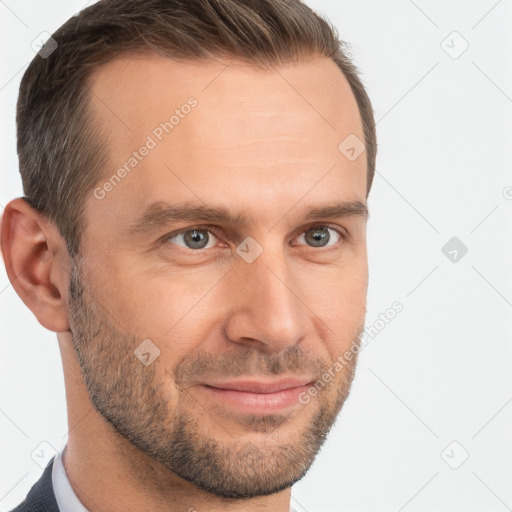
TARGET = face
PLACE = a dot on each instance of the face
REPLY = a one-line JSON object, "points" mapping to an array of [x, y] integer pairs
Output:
{"points": [[225, 271]]}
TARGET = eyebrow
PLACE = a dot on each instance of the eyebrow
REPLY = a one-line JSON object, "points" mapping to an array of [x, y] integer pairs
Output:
{"points": [[161, 214]]}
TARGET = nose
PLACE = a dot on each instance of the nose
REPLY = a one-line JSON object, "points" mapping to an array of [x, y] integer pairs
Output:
{"points": [[266, 307]]}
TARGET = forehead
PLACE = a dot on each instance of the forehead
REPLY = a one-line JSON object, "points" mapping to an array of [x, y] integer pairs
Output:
{"points": [[217, 129]]}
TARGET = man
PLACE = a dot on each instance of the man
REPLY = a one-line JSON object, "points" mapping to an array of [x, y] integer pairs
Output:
{"points": [[194, 230]]}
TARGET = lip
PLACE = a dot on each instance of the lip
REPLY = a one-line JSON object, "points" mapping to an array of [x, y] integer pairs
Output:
{"points": [[258, 397]]}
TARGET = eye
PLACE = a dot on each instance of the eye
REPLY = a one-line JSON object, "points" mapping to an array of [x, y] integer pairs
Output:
{"points": [[321, 236], [193, 238], [203, 237]]}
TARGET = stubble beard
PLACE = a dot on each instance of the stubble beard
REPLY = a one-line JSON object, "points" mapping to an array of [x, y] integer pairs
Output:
{"points": [[131, 398]]}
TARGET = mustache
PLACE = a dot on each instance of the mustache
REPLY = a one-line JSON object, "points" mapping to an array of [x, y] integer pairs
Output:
{"points": [[250, 361]]}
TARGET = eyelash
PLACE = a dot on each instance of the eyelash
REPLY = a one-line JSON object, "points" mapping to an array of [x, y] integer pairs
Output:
{"points": [[213, 230]]}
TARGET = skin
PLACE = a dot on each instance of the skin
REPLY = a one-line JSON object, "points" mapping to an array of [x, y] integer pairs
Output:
{"points": [[263, 144]]}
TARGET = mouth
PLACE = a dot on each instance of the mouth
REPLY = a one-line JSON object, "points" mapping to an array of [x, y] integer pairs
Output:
{"points": [[258, 397]]}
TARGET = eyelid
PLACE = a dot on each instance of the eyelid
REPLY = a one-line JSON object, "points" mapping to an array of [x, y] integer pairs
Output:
{"points": [[215, 229]]}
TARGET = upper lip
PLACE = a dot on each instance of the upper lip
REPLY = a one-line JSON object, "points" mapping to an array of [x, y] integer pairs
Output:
{"points": [[260, 386]]}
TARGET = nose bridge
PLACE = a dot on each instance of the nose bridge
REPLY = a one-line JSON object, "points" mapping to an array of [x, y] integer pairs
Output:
{"points": [[265, 301]]}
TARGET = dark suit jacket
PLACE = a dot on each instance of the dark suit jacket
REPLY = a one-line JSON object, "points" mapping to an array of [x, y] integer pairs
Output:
{"points": [[41, 497]]}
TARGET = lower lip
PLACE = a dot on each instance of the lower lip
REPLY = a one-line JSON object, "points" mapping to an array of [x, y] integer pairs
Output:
{"points": [[257, 403]]}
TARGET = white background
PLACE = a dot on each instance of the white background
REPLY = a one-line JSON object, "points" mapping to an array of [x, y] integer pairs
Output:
{"points": [[441, 370]]}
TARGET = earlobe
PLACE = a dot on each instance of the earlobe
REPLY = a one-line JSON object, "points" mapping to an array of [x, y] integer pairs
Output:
{"points": [[35, 258]]}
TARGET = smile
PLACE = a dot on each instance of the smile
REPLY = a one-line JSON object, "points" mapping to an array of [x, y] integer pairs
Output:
{"points": [[258, 397]]}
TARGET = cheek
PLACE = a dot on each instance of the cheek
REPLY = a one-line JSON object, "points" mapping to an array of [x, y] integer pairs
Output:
{"points": [[337, 289], [181, 307], [149, 292], [338, 299], [171, 308]]}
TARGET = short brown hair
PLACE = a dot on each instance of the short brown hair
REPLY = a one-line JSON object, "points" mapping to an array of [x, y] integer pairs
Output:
{"points": [[61, 151]]}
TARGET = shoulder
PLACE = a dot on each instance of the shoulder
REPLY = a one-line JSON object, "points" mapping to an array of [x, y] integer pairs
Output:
{"points": [[41, 496]]}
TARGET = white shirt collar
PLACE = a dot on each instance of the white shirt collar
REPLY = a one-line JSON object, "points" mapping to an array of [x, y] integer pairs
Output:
{"points": [[66, 498]]}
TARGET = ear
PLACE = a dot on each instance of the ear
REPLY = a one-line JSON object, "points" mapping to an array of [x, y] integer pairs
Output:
{"points": [[37, 263]]}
